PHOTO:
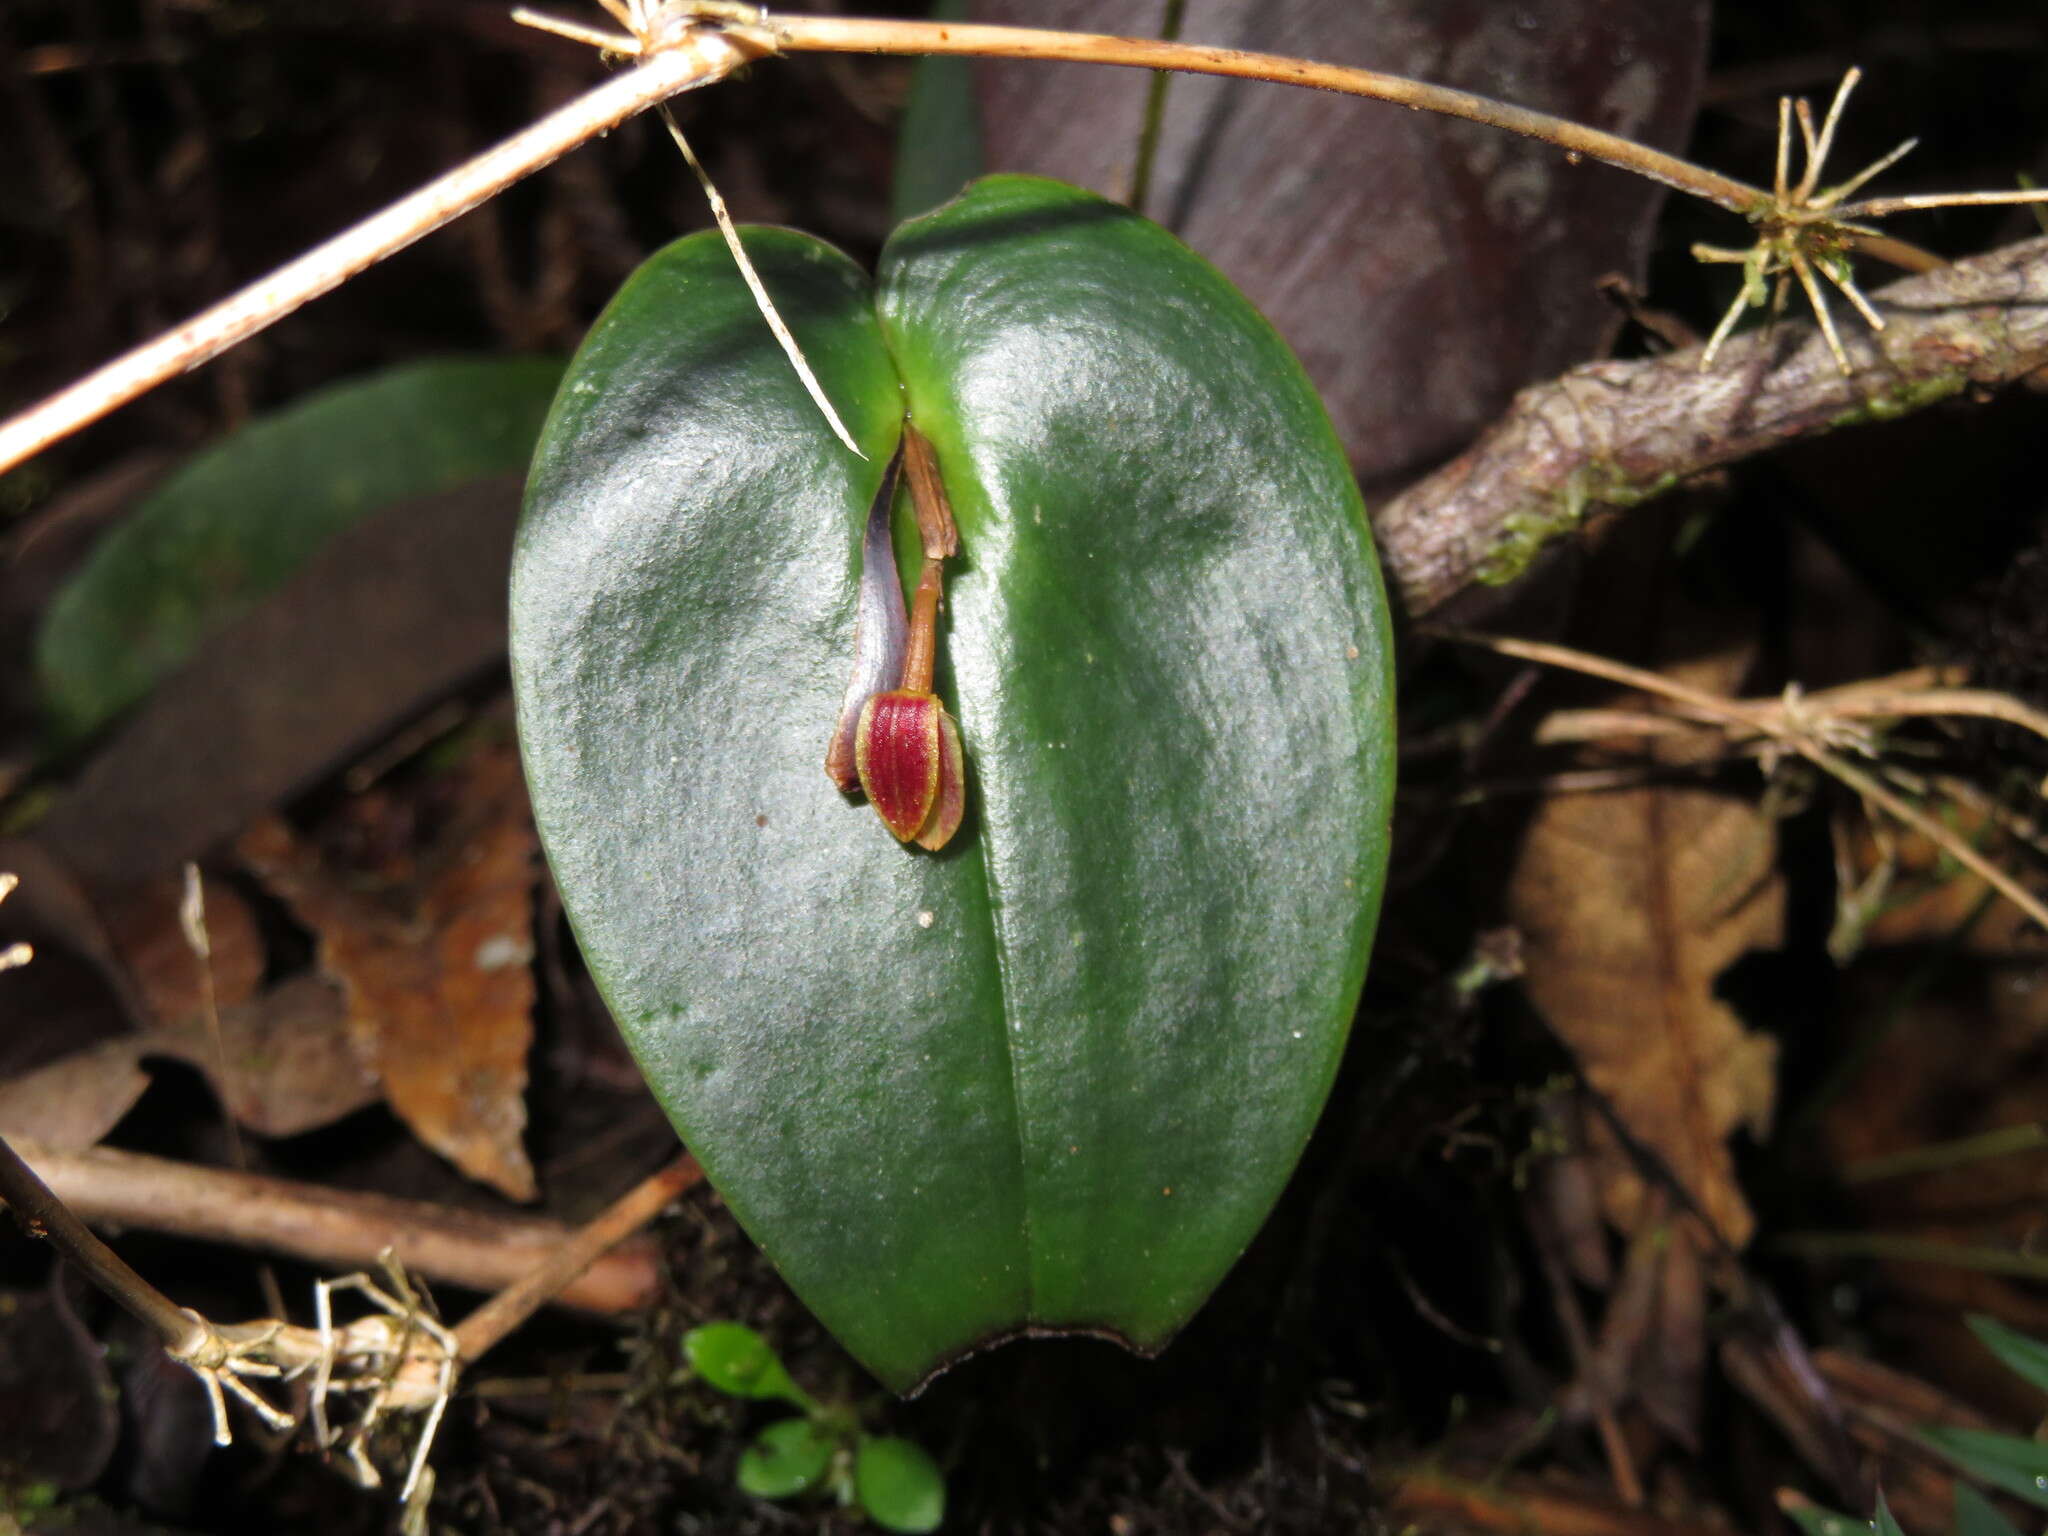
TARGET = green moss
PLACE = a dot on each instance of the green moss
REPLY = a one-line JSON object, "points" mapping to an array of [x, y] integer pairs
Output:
{"points": [[1903, 398], [1522, 535]]}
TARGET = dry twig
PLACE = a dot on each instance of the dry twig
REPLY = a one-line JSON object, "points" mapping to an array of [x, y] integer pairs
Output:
{"points": [[1794, 727], [338, 1228], [1839, 715], [325, 267], [397, 1359]]}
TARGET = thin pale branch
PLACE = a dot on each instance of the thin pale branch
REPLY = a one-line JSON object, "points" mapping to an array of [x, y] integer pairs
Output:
{"points": [[626, 1215], [1880, 207], [1878, 699], [1941, 836], [851, 34], [679, 55], [687, 43]]}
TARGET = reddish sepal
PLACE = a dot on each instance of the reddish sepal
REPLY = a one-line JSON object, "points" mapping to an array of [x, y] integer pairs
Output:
{"points": [[897, 750]]}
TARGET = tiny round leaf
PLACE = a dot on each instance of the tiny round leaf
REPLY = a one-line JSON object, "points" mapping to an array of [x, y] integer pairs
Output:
{"points": [[899, 1486], [786, 1459], [735, 1359]]}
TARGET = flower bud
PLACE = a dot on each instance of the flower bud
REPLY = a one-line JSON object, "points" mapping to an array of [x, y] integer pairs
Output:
{"points": [[907, 749]]}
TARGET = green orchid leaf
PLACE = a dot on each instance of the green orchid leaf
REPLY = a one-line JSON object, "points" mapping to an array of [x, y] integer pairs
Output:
{"points": [[1975, 1515], [1053, 1077], [1814, 1520], [735, 1359], [2019, 1467], [899, 1486], [786, 1459], [230, 525], [2019, 1353]]}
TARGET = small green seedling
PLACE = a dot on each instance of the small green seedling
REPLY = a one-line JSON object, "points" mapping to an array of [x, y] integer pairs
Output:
{"points": [[894, 1481]]}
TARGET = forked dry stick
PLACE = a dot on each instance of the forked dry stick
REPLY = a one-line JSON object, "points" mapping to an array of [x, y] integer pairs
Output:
{"points": [[1840, 715], [396, 1359], [336, 1229], [1798, 736]]}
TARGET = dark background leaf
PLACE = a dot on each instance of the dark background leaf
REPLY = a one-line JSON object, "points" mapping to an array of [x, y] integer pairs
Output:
{"points": [[1423, 269], [413, 600], [232, 524]]}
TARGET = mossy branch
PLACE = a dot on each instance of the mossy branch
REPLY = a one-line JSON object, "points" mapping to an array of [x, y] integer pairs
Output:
{"points": [[1615, 434]]}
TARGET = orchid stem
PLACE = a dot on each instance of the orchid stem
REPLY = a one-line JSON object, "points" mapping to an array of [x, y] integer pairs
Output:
{"points": [[922, 652]]}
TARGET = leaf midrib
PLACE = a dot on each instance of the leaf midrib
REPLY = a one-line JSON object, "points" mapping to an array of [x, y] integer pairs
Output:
{"points": [[992, 891]]}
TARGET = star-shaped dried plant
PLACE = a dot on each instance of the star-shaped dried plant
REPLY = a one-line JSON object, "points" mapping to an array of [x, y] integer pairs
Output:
{"points": [[1806, 228]]}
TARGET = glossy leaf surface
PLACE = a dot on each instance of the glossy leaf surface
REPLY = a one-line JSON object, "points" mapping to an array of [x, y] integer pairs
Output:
{"points": [[1055, 1076]]}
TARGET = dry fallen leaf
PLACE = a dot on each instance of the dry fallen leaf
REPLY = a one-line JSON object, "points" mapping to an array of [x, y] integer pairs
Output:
{"points": [[142, 924], [73, 1102], [283, 1065], [286, 1062], [1631, 903], [433, 949]]}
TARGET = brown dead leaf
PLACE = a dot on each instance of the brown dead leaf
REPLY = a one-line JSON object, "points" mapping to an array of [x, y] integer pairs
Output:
{"points": [[142, 923], [1631, 903], [435, 963], [280, 1061], [284, 1064], [73, 1102]]}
